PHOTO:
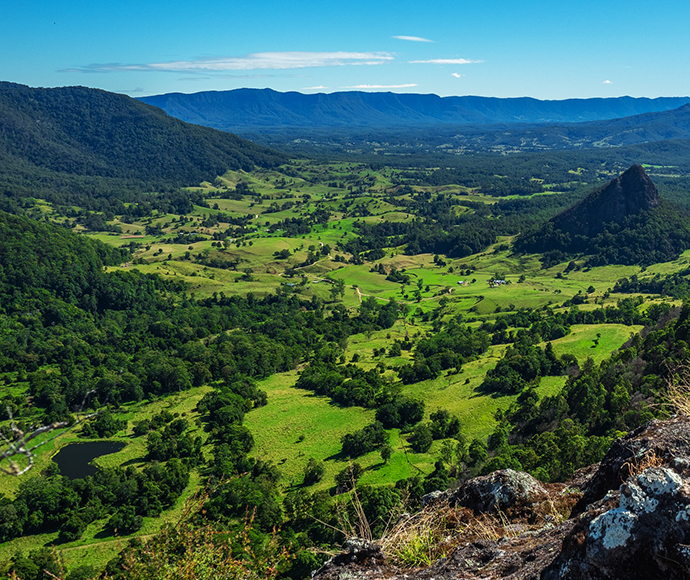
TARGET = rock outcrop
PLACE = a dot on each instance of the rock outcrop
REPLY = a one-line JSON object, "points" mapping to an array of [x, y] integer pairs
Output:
{"points": [[628, 194], [500, 490], [630, 520]]}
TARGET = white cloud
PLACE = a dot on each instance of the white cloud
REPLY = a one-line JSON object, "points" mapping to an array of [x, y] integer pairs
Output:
{"points": [[317, 88], [457, 75], [197, 78], [445, 61], [259, 60], [607, 82], [406, 86], [412, 38]]}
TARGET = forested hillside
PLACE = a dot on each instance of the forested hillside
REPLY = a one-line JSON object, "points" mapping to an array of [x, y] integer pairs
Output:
{"points": [[84, 142], [229, 110], [95, 340], [624, 222]]}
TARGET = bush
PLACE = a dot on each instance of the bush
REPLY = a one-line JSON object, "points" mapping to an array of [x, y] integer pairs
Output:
{"points": [[365, 440]]}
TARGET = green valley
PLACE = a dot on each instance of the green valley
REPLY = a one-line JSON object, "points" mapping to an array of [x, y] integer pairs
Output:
{"points": [[269, 339]]}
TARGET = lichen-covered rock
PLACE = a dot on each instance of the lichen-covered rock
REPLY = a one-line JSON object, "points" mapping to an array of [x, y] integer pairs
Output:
{"points": [[633, 521], [643, 536], [499, 490], [668, 440], [434, 497]]}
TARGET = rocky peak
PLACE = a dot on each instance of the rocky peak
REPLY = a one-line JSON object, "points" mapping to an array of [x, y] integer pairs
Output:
{"points": [[634, 188], [628, 194]]}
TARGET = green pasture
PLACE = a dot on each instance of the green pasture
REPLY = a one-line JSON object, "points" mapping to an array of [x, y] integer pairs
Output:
{"points": [[597, 341], [294, 413]]}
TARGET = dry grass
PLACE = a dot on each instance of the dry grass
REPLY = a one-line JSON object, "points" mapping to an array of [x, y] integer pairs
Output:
{"points": [[353, 522], [433, 533], [678, 392], [637, 465], [422, 538]]}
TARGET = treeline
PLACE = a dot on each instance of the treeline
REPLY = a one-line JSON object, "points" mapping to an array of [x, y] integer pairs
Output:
{"points": [[453, 225], [674, 285], [553, 436], [124, 496], [448, 348]]}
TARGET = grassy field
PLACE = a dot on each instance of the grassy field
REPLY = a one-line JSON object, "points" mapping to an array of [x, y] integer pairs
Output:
{"points": [[211, 254], [597, 341], [296, 425]]}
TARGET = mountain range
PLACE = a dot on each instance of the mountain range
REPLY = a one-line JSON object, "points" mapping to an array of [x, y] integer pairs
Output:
{"points": [[243, 108]]}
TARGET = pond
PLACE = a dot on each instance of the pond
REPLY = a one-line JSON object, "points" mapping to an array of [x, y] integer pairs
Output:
{"points": [[75, 459]]}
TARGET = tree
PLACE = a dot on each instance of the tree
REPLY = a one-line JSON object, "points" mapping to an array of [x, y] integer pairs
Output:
{"points": [[386, 452], [337, 289], [314, 471], [125, 520], [421, 439], [347, 479], [477, 452]]}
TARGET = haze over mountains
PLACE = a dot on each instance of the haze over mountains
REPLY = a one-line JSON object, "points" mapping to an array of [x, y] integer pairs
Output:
{"points": [[363, 122], [228, 110]]}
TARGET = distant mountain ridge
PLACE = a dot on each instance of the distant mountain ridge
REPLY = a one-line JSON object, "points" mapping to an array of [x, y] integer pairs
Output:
{"points": [[642, 128], [243, 108]]}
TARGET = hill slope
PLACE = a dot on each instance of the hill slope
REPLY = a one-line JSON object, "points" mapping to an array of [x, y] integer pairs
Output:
{"points": [[636, 129], [228, 110], [54, 134], [624, 222]]}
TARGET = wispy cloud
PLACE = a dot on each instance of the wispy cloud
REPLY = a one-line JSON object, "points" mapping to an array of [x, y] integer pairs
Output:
{"points": [[204, 77], [607, 82], [445, 61], [412, 38], [317, 88], [405, 86], [457, 75], [255, 61]]}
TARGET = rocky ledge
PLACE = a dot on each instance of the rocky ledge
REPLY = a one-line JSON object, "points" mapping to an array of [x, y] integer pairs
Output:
{"points": [[625, 518]]}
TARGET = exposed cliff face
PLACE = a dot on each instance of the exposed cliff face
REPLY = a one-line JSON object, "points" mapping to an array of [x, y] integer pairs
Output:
{"points": [[626, 195], [632, 521]]}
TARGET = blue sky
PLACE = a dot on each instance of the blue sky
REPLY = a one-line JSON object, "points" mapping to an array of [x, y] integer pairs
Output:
{"points": [[542, 49]]}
